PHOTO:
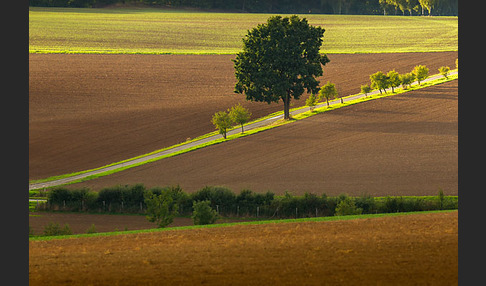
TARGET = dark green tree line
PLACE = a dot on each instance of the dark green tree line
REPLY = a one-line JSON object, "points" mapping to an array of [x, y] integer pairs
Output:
{"points": [[354, 7]]}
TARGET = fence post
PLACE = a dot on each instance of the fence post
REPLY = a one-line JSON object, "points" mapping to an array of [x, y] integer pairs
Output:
{"points": [[258, 211], [295, 212], [237, 211]]}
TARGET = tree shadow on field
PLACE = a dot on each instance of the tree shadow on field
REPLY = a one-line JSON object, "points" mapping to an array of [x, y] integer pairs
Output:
{"points": [[440, 92], [400, 127]]}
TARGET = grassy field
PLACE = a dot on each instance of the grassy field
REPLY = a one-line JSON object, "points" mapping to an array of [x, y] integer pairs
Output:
{"points": [[151, 31]]}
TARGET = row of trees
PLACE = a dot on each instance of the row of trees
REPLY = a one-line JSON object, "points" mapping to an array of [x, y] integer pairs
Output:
{"points": [[380, 81], [370, 7], [223, 120], [161, 205], [392, 79]]}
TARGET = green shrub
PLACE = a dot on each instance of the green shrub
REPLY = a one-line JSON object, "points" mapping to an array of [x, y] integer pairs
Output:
{"points": [[132, 196], [219, 197], [203, 213], [58, 196], [110, 195], [91, 229], [161, 208], [347, 207], [367, 203], [55, 229]]}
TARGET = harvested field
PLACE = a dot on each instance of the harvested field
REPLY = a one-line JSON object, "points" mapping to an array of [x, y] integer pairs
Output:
{"points": [[419, 249], [86, 111], [405, 144]]}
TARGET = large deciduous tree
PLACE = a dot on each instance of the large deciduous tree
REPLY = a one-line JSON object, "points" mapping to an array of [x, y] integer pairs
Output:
{"points": [[280, 59]]}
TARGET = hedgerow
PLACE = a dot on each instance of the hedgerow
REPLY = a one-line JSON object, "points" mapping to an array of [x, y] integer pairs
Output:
{"points": [[130, 199]]}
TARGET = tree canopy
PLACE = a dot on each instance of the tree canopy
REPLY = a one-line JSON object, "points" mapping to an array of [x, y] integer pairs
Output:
{"points": [[433, 7], [280, 60], [328, 91]]}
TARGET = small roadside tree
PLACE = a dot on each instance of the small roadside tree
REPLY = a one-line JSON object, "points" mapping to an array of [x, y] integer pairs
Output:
{"points": [[421, 72], [407, 79], [222, 121], [161, 208], [311, 101], [444, 71], [379, 81], [239, 115], [393, 80], [365, 89], [328, 91]]}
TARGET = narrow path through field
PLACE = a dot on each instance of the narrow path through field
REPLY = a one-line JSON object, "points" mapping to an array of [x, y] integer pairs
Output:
{"points": [[194, 144]]}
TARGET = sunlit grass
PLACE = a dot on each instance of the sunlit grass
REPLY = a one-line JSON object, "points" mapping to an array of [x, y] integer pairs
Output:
{"points": [[152, 31]]}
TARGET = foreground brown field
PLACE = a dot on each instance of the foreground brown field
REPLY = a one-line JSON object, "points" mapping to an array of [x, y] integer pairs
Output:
{"points": [[86, 111], [419, 249], [406, 144]]}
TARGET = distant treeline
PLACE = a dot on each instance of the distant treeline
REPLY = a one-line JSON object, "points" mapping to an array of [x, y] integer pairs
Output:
{"points": [[354, 7]]}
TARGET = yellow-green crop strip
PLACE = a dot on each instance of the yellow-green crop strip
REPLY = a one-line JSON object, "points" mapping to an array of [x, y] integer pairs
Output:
{"points": [[153, 31]]}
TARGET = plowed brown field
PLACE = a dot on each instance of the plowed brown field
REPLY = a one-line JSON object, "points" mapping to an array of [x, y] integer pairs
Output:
{"points": [[86, 111], [417, 249], [405, 144], [80, 222]]}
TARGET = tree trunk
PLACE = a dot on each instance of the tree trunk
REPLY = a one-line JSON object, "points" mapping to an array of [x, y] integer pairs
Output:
{"points": [[242, 128], [286, 101]]}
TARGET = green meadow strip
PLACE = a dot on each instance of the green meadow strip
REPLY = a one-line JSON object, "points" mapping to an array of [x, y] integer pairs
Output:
{"points": [[258, 222], [154, 31]]}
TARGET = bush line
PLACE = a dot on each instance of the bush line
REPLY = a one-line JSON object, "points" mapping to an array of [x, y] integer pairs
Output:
{"points": [[130, 199]]}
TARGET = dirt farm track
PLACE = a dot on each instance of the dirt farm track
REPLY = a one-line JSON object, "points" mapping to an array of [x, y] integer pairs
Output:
{"points": [[86, 111], [419, 249]]}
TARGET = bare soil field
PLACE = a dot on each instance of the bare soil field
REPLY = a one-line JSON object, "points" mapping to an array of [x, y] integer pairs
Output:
{"points": [[419, 249], [86, 111], [80, 222], [405, 144]]}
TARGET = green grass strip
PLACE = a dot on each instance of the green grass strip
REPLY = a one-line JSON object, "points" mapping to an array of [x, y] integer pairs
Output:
{"points": [[259, 222], [154, 31]]}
